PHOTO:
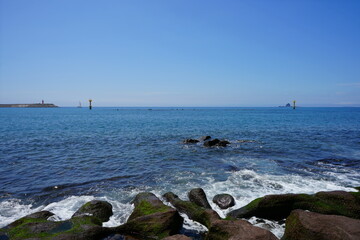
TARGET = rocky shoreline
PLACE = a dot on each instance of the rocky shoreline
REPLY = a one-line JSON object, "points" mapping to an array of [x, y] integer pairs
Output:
{"points": [[325, 215]]}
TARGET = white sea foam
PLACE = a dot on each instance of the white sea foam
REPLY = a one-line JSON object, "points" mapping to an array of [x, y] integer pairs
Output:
{"points": [[13, 209], [276, 228], [64, 209], [244, 185]]}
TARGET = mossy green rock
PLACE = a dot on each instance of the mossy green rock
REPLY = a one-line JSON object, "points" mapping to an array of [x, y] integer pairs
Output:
{"points": [[36, 226], [151, 219], [99, 209], [193, 211], [278, 207], [198, 196], [219, 229]]}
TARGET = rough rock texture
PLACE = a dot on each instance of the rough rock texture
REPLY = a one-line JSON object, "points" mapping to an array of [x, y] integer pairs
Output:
{"points": [[238, 230], [216, 142], [100, 209], [224, 200], [177, 237], [198, 196], [193, 211], [120, 237], [38, 216], [204, 138], [151, 219], [278, 207], [36, 226], [223, 143], [303, 225], [190, 140], [218, 228]]}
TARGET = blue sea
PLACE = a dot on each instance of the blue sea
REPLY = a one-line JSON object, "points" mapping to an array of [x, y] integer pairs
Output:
{"points": [[56, 159]]}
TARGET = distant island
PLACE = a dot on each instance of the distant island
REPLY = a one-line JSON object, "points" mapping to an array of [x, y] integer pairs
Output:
{"points": [[287, 105], [31, 105]]}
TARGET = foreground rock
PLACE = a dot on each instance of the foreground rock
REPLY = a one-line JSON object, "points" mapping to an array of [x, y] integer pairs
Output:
{"points": [[224, 200], [238, 230], [151, 219], [302, 225], [100, 209], [193, 211], [218, 228], [36, 226], [198, 196], [177, 237], [277, 207]]}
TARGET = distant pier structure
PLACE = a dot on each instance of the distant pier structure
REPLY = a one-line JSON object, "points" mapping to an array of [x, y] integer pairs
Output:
{"points": [[90, 106], [294, 104]]}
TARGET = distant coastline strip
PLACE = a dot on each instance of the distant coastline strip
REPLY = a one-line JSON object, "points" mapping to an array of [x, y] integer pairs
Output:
{"points": [[32, 105]]}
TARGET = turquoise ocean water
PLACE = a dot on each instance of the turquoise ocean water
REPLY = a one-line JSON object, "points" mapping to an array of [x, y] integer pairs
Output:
{"points": [[57, 159]]}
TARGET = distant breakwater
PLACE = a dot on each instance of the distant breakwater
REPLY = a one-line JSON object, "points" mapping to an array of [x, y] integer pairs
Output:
{"points": [[31, 105]]}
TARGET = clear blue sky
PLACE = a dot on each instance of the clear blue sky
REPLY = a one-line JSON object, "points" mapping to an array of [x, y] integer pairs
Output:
{"points": [[180, 52]]}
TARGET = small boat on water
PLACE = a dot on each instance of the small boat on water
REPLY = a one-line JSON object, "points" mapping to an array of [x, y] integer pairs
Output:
{"points": [[79, 105]]}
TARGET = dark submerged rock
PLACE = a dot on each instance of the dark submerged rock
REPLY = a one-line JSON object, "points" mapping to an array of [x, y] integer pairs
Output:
{"points": [[216, 143], [211, 143], [278, 207], [303, 225], [99, 209], [187, 141], [204, 138], [223, 143], [198, 196], [151, 219], [224, 200]]}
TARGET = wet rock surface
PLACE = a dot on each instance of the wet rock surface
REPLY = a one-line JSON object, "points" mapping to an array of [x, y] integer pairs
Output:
{"points": [[187, 141], [99, 209], [277, 207], [304, 225], [36, 226], [204, 138], [239, 230], [337, 217], [224, 200], [216, 143], [207, 141], [198, 196], [192, 210], [177, 237], [151, 219]]}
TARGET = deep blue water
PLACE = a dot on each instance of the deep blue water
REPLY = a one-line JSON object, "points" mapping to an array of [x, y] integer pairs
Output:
{"points": [[49, 155]]}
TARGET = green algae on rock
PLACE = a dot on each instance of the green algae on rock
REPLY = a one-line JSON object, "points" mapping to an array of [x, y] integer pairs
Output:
{"points": [[277, 207], [151, 219]]}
